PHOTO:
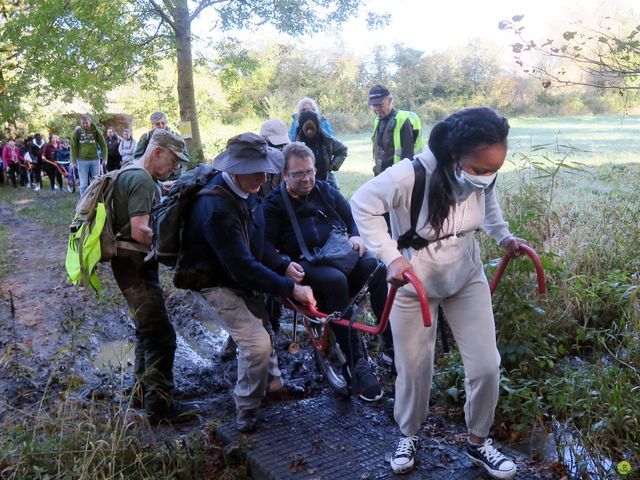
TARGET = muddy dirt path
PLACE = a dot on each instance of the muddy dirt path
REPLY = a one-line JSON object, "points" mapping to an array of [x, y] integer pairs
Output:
{"points": [[57, 330], [41, 314]]}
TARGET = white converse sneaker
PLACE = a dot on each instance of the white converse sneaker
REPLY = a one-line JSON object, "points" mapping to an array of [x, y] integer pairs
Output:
{"points": [[494, 462], [404, 458]]}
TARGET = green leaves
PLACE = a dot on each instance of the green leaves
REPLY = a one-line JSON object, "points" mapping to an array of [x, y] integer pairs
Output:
{"points": [[72, 49]]}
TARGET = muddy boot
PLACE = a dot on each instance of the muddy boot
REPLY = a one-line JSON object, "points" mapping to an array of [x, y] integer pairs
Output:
{"points": [[246, 420], [229, 350], [176, 413]]}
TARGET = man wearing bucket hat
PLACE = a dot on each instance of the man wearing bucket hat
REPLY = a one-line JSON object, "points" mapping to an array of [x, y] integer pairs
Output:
{"points": [[224, 243], [135, 192]]}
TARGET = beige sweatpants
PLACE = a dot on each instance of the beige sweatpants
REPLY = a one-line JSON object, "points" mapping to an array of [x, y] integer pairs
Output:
{"points": [[256, 358], [452, 276]]}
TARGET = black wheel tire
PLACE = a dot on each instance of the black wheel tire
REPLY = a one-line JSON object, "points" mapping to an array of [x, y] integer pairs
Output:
{"points": [[331, 363]]}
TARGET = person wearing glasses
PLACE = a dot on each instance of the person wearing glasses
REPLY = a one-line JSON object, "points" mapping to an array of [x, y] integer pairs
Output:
{"points": [[319, 208]]}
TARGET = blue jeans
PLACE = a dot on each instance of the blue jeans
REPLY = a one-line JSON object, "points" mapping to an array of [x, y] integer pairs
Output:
{"points": [[87, 169]]}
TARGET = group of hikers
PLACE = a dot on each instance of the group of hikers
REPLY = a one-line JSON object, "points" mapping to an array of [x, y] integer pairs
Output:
{"points": [[65, 161], [25, 162], [271, 223]]}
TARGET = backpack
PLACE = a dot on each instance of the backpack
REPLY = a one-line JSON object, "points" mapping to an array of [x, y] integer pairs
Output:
{"points": [[410, 238], [91, 238], [168, 216]]}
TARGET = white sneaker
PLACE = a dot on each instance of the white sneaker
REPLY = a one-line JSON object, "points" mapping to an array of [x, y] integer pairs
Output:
{"points": [[494, 462], [37, 188], [404, 458]]}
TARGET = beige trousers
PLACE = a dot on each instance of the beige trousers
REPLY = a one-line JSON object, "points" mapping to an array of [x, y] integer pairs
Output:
{"points": [[452, 275], [240, 316]]}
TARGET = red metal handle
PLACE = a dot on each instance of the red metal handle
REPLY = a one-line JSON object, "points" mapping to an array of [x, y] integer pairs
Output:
{"points": [[542, 286], [312, 311]]}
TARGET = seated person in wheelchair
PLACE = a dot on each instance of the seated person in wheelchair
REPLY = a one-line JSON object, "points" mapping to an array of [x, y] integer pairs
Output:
{"points": [[319, 210]]}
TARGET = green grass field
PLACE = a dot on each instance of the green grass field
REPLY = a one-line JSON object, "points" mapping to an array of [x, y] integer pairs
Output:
{"points": [[596, 140]]}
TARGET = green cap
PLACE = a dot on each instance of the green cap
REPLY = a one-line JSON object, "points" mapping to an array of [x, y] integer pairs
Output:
{"points": [[172, 142]]}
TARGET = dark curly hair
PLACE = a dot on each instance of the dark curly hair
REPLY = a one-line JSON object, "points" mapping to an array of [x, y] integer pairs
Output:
{"points": [[456, 136]]}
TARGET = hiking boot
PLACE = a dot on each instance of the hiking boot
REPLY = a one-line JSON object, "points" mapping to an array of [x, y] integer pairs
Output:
{"points": [[404, 458], [364, 384], [494, 462], [246, 420], [288, 391], [177, 413]]}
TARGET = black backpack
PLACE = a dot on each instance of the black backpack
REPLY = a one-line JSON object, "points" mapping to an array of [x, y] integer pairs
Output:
{"points": [[168, 215]]}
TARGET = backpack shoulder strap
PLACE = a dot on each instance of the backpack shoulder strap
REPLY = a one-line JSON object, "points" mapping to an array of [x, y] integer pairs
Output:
{"points": [[417, 194], [409, 238]]}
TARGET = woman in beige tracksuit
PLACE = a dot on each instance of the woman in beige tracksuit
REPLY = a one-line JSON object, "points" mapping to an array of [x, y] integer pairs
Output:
{"points": [[465, 152]]}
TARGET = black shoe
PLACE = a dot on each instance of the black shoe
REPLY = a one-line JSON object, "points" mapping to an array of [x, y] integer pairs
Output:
{"points": [[288, 391], [494, 462], [364, 384], [246, 420], [177, 413]]}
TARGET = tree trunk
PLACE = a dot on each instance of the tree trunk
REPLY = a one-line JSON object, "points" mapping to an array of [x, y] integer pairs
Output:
{"points": [[186, 91]]}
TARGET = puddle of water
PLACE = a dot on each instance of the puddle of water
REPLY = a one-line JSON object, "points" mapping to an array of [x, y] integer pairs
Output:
{"points": [[117, 353], [563, 444], [187, 351], [215, 335]]}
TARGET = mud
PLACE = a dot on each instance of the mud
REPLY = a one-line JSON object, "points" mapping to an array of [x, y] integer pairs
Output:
{"points": [[61, 338], [58, 330]]}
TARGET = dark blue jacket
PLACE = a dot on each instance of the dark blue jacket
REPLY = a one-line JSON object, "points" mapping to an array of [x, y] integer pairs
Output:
{"points": [[63, 155], [310, 212], [213, 244]]}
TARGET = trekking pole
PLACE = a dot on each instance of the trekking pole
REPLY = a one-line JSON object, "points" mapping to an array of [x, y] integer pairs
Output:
{"points": [[542, 285]]}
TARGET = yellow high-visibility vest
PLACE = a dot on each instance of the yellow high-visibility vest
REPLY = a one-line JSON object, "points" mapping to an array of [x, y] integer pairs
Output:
{"points": [[401, 117]]}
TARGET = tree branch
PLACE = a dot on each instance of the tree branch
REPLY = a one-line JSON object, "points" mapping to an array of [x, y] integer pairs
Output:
{"points": [[158, 9], [203, 4]]}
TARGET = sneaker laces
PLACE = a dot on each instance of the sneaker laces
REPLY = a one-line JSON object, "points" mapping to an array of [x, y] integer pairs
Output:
{"points": [[490, 453], [406, 446]]}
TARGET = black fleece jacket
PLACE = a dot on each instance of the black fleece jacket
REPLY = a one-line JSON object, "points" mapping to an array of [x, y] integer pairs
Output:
{"points": [[213, 244]]}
